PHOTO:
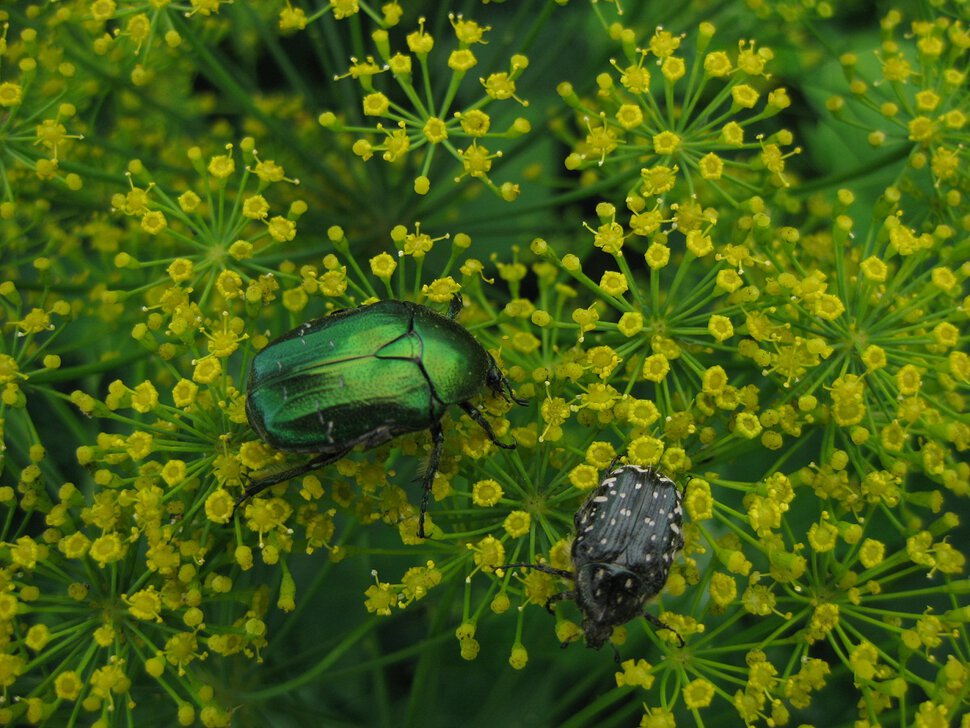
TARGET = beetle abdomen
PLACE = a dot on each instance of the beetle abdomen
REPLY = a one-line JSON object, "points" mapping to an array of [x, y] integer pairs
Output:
{"points": [[341, 404], [627, 533], [351, 334], [632, 519]]}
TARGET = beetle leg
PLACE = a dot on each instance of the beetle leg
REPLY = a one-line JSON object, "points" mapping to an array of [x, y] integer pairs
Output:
{"points": [[540, 567], [509, 394], [547, 570], [660, 625], [260, 485], [472, 411], [556, 598], [437, 447]]}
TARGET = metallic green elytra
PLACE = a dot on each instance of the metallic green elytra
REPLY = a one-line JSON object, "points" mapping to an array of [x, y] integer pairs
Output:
{"points": [[363, 376]]}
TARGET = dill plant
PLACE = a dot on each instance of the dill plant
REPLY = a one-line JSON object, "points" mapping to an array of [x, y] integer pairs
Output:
{"points": [[729, 249]]}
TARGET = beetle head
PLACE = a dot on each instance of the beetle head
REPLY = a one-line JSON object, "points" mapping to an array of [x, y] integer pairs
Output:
{"points": [[500, 384], [608, 595]]}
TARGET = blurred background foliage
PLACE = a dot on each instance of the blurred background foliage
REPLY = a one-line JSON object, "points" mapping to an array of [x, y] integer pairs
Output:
{"points": [[131, 135]]}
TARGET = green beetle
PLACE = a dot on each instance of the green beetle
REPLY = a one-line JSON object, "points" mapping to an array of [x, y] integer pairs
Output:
{"points": [[363, 376]]}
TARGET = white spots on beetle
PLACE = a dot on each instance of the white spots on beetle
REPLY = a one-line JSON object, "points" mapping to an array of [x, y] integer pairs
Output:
{"points": [[638, 485], [648, 557], [600, 499], [602, 542], [589, 528], [612, 492], [656, 494], [612, 521], [653, 538], [628, 583], [649, 522], [598, 593]]}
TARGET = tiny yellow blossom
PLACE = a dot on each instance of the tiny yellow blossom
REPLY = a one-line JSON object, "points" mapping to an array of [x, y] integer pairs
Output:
{"points": [[486, 493], [517, 524], [635, 673], [698, 693], [655, 368], [584, 477]]}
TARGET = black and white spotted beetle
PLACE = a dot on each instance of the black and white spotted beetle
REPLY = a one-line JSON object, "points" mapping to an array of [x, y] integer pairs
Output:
{"points": [[627, 533]]}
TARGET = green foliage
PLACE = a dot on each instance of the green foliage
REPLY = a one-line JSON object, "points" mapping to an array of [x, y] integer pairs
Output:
{"points": [[741, 262]]}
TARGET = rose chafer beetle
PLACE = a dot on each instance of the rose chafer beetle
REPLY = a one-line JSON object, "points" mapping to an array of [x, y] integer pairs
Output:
{"points": [[627, 533], [363, 376]]}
